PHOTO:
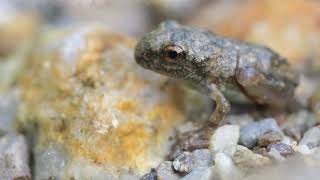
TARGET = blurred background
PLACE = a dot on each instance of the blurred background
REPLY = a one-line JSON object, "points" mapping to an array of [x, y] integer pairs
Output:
{"points": [[289, 26]]}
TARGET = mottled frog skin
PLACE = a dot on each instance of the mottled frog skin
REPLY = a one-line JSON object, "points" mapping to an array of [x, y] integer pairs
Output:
{"points": [[219, 66]]}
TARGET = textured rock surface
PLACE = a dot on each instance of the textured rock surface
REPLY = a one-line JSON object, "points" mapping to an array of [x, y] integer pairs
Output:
{"points": [[14, 158], [205, 173], [184, 163], [247, 160], [165, 171], [225, 139], [225, 168], [250, 133], [89, 97], [311, 138], [8, 108]]}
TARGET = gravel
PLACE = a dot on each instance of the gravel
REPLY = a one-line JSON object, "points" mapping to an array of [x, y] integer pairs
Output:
{"points": [[284, 149], [225, 139], [311, 138], [250, 133], [269, 138], [202, 158], [203, 173], [225, 167], [184, 163]]}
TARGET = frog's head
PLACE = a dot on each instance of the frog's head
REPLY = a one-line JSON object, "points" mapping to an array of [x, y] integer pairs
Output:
{"points": [[173, 50]]}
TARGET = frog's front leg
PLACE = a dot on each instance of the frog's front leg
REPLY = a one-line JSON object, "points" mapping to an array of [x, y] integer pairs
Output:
{"points": [[222, 106]]}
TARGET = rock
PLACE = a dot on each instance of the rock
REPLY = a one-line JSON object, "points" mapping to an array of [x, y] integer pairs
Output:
{"points": [[247, 160], [202, 158], [225, 139], [304, 149], [203, 173], [275, 155], [250, 133], [8, 107], [184, 163], [152, 175], [225, 167], [284, 149], [85, 92], [51, 162], [297, 123], [165, 171], [311, 138], [14, 158], [269, 138]]}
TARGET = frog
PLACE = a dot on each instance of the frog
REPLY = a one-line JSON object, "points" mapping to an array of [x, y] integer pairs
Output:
{"points": [[219, 66]]}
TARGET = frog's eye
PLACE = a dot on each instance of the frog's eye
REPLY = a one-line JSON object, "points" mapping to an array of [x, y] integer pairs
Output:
{"points": [[172, 52]]}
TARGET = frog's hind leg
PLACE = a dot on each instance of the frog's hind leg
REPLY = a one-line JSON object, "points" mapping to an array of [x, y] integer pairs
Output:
{"points": [[264, 89]]}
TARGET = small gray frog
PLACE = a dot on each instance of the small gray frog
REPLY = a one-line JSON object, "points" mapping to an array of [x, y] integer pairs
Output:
{"points": [[220, 66]]}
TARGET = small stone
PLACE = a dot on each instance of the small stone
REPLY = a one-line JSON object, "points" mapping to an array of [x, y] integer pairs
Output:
{"points": [[225, 167], [152, 175], [165, 171], [298, 123], [269, 138], [284, 149], [311, 138], [250, 133], [304, 149], [202, 158], [14, 157], [203, 173], [246, 160], [184, 163], [274, 154], [225, 139]]}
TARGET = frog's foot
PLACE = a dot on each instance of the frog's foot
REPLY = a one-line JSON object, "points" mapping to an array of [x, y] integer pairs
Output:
{"points": [[190, 141]]}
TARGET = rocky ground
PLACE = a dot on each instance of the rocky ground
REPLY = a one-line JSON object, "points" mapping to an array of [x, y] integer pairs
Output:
{"points": [[75, 105]]}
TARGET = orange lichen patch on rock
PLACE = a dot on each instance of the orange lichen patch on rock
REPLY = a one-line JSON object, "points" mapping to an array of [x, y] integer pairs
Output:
{"points": [[291, 27], [98, 103]]}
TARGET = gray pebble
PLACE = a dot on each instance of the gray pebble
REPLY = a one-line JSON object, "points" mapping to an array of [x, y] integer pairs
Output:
{"points": [[298, 123], [184, 163], [311, 138], [203, 173], [284, 149], [250, 133], [165, 171], [14, 158], [202, 158], [152, 175]]}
